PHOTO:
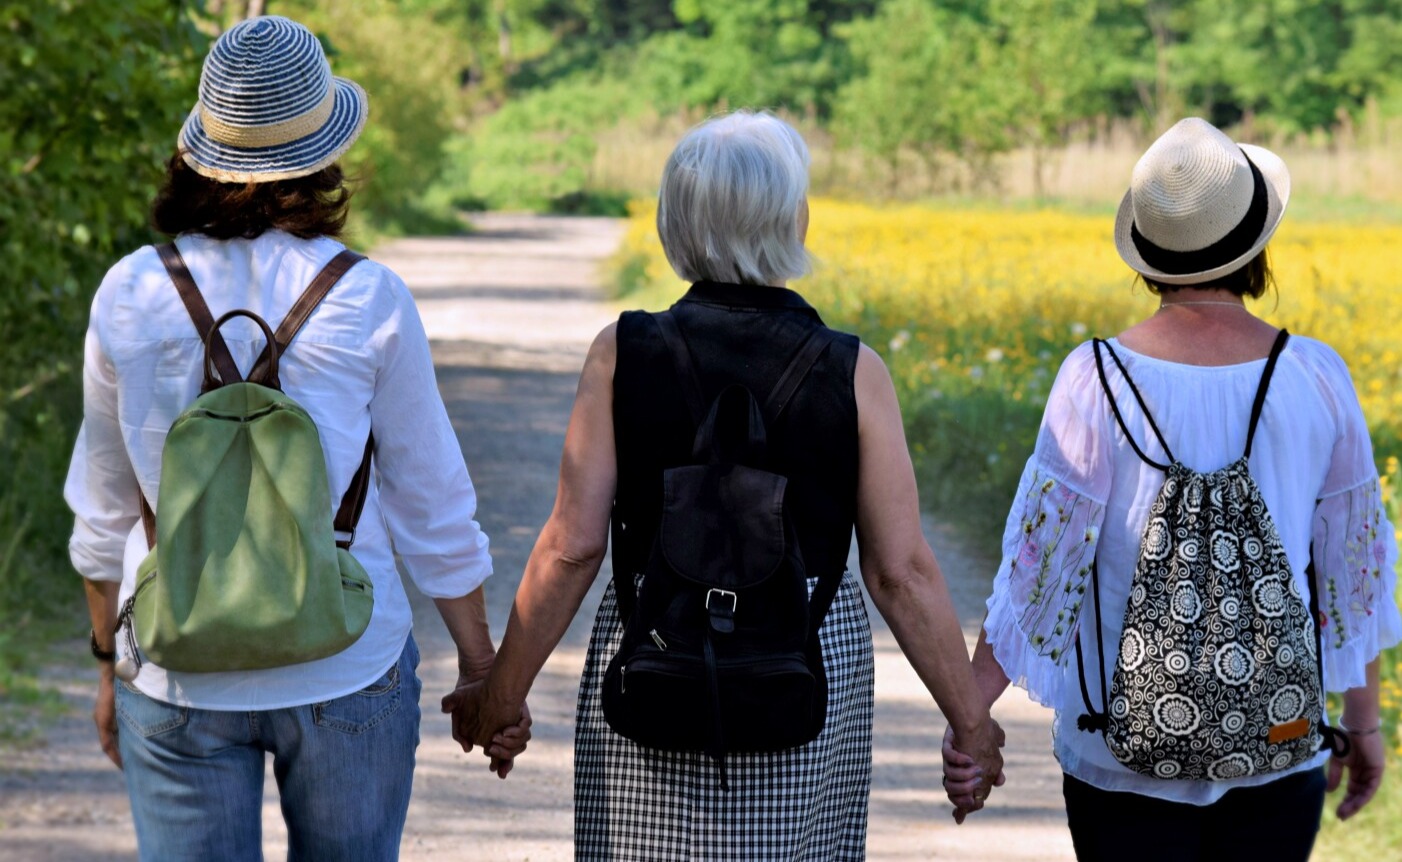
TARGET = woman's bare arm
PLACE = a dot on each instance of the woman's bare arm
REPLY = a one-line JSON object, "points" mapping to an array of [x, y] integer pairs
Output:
{"points": [[901, 573], [570, 549]]}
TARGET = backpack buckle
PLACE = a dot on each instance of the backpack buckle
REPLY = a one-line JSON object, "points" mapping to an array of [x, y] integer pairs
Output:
{"points": [[722, 618]]}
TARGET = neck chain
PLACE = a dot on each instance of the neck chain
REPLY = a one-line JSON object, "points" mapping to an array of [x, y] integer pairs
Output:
{"points": [[1240, 305]]}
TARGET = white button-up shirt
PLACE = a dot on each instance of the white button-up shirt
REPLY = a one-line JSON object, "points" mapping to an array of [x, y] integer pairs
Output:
{"points": [[361, 362]]}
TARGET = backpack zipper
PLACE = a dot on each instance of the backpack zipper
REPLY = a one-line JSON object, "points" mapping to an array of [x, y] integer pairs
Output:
{"points": [[667, 665], [657, 639]]}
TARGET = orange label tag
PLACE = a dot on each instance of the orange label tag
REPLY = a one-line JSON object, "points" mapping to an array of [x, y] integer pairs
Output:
{"points": [[1288, 731]]}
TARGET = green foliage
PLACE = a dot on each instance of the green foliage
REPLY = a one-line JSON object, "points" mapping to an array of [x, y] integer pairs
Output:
{"points": [[408, 65], [919, 89], [914, 85], [95, 93], [540, 148]]}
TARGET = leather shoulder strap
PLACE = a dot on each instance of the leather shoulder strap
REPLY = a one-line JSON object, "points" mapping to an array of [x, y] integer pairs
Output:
{"points": [[199, 312], [353, 501], [302, 309], [797, 371]]}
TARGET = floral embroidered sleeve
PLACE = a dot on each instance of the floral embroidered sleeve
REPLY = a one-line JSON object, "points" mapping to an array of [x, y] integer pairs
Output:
{"points": [[1050, 539], [1355, 558], [1354, 546]]}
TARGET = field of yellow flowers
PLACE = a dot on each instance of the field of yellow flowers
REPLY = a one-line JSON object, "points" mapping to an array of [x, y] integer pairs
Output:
{"points": [[973, 310]]}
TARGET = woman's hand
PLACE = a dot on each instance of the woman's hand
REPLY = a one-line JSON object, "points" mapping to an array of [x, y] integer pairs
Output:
{"points": [[104, 713], [502, 730], [1364, 763], [969, 778]]}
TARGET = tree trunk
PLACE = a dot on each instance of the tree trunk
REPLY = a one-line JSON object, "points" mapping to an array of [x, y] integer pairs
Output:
{"points": [[508, 64], [1158, 23], [255, 8], [1038, 163]]}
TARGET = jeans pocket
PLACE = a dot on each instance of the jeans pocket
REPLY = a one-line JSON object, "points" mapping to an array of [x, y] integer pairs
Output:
{"points": [[358, 712], [147, 716]]}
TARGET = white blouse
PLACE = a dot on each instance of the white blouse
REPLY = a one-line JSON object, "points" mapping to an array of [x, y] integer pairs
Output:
{"points": [[362, 360], [1085, 495]]}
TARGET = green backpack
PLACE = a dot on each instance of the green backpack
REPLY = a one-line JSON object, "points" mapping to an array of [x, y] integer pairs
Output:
{"points": [[246, 570]]}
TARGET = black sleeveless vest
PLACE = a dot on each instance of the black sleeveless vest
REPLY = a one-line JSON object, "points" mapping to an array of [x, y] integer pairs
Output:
{"points": [[742, 334]]}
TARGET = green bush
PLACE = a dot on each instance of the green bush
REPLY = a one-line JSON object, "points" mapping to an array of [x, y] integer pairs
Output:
{"points": [[95, 93]]}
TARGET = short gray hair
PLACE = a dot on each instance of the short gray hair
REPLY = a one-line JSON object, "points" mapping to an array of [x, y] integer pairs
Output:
{"points": [[730, 197]]}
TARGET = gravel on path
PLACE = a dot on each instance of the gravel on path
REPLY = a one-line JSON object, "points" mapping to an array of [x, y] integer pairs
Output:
{"points": [[510, 311]]}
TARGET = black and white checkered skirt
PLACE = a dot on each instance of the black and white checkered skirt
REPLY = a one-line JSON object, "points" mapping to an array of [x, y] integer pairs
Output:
{"points": [[806, 803]]}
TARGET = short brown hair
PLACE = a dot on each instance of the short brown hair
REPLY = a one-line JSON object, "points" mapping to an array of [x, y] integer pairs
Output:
{"points": [[306, 207], [1252, 280]]}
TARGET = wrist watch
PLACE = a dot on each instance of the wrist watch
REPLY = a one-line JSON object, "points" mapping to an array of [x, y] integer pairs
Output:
{"points": [[98, 652]]}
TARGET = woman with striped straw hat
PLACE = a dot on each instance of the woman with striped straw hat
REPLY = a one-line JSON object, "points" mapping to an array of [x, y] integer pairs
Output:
{"points": [[255, 201]]}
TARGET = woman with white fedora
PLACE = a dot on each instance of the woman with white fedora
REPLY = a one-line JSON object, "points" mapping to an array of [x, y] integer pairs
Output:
{"points": [[1178, 398], [255, 201]]}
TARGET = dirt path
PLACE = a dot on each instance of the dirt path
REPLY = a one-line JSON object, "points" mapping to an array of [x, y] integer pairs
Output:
{"points": [[511, 311]]}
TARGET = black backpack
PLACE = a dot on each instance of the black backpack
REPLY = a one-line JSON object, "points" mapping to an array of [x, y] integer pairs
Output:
{"points": [[720, 648]]}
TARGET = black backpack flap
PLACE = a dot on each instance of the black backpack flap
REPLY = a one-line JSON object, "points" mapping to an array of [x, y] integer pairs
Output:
{"points": [[723, 521], [723, 524]]}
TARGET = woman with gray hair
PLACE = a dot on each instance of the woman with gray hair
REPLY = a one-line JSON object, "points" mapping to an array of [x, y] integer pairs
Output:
{"points": [[698, 735]]}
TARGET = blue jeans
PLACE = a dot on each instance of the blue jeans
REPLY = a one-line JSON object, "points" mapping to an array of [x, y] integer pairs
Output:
{"points": [[344, 772]]}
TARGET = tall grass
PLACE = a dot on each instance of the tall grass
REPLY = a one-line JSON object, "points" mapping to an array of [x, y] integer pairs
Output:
{"points": [[1353, 172]]}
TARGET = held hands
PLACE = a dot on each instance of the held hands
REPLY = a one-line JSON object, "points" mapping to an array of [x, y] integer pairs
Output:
{"points": [[973, 766], [1364, 763], [502, 730]]}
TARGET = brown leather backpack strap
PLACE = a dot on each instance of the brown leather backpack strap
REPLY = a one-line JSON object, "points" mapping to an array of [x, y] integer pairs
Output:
{"points": [[348, 515], [199, 312], [304, 306], [148, 522]]}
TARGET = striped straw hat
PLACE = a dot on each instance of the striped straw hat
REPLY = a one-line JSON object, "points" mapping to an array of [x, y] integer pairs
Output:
{"points": [[269, 107], [1199, 206]]}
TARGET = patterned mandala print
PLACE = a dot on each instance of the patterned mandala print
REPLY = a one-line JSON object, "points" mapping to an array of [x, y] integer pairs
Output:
{"points": [[1225, 557], [1269, 597], [1131, 651], [1120, 707], [1188, 551], [1177, 662], [1138, 595], [1217, 646], [1187, 604], [1158, 540], [1235, 664], [1236, 765], [1192, 499], [1177, 715], [1287, 704], [1253, 548]]}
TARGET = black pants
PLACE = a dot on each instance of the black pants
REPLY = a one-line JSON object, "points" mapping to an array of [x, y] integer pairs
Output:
{"points": [[1275, 822]]}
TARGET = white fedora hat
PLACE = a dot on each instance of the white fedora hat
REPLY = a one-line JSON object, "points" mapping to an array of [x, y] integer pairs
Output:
{"points": [[1199, 206], [269, 107]]}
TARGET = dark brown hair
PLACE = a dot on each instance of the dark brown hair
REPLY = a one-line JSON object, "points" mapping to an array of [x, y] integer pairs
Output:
{"points": [[1252, 280], [307, 207]]}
